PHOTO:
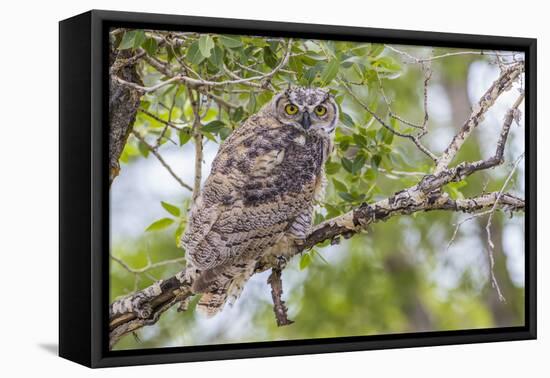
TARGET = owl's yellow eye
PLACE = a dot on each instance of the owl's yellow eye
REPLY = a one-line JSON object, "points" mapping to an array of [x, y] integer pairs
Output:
{"points": [[320, 110], [291, 109]]}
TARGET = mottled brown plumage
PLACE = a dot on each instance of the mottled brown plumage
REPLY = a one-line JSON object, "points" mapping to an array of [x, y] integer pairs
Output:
{"points": [[259, 197]]}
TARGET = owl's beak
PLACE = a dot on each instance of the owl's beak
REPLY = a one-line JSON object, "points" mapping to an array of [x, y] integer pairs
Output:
{"points": [[306, 120]]}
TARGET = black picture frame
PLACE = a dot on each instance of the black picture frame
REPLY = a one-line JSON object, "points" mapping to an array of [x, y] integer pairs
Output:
{"points": [[84, 189]]}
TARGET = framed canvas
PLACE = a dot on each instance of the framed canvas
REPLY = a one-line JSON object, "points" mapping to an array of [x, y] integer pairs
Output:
{"points": [[235, 188]]}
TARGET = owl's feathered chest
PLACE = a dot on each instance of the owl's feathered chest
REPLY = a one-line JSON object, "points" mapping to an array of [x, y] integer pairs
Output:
{"points": [[281, 161]]}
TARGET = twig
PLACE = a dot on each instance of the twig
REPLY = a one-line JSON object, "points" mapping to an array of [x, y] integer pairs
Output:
{"points": [[489, 223], [459, 224], [150, 265], [392, 114], [197, 137], [446, 55], [161, 160], [157, 118], [163, 132], [279, 307], [414, 138]]}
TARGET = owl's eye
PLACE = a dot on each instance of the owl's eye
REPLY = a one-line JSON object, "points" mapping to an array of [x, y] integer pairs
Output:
{"points": [[291, 109], [320, 110]]}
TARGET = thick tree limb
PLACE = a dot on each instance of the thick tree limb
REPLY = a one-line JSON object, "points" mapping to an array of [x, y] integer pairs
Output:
{"points": [[123, 105], [145, 307]]}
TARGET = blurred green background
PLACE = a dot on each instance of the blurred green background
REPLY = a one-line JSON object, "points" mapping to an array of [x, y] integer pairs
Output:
{"points": [[402, 275]]}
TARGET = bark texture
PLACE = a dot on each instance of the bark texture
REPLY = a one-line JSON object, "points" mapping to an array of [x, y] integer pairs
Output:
{"points": [[123, 105]]}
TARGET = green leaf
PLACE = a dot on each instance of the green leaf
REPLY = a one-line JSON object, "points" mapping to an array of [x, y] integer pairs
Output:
{"points": [[294, 63], [216, 58], [206, 44], [179, 231], [143, 149], [339, 185], [318, 218], [358, 163], [160, 224], [346, 196], [332, 211], [184, 135], [376, 49], [310, 60], [332, 167], [194, 54], [139, 38], [172, 209], [371, 174], [237, 114], [209, 136], [387, 63], [387, 135], [376, 159], [360, 140], [258, 42], [305, 261], [311, 73], [453, 188], [330, 72], [150, 46], [230, 42], [224, 132], [213, 127], [347, 164], [346, 119], [269, 57], [360, 50], [251, 106], [263, 98], [128, 40]]}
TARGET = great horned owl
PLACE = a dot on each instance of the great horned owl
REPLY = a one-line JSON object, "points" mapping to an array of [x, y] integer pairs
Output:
{"points": [[259, 198]]}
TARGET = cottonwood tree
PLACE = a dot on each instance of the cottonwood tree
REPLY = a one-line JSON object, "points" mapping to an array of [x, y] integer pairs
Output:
{"points": [[180, 88]]}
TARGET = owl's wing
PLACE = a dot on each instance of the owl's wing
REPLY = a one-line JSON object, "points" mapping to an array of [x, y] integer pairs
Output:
{"points": [[249, 200]]}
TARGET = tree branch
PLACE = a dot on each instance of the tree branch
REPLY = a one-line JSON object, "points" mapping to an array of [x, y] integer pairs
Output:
{"points": [[265, 78], [414, 138], [414, 59], [145, 307], [279, 307], [123, 104], [162, 161], [197, 137], [503, 83]]}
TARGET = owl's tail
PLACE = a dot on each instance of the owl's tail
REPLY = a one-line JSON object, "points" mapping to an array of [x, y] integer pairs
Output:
{"points": [[220, 286]]}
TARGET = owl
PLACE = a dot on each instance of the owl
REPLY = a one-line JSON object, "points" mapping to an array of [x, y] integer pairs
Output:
{"points": [[258, 201]]}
